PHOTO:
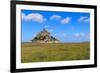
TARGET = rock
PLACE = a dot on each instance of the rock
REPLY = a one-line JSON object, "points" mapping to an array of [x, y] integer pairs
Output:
{"points": [[44, 37]]}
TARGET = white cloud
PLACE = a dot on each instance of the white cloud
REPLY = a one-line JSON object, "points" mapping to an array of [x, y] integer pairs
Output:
{"points": [[81, 18], [81, 35], [23, 16], [56, 17], [63, 35], [84, 19], [66, 20], [78, 35], [34, 16], [87, 20]]}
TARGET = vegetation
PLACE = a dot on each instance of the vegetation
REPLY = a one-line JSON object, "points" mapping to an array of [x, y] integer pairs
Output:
{"points": [[42, 52]]}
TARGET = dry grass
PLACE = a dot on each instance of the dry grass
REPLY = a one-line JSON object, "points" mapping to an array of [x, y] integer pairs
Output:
{"points": [[39, 52]]}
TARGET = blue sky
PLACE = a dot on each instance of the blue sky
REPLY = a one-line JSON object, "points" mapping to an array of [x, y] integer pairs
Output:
{"points": [[65, 26]]}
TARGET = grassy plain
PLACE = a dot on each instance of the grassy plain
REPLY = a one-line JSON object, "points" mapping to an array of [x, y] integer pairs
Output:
{"points": [[44, 52]]}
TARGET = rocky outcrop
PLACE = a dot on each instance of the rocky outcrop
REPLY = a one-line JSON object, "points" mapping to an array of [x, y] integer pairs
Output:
{"points": [[44, 37]]}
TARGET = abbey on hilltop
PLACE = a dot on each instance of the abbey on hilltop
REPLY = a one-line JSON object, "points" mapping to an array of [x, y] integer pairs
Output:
{"points": [[44, 37]]}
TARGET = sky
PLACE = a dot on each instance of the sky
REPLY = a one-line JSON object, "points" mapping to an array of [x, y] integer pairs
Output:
{"points": [[65, 26]]}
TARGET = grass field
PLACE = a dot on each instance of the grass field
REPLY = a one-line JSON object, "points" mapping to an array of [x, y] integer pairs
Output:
{"points": [[42, 52]]}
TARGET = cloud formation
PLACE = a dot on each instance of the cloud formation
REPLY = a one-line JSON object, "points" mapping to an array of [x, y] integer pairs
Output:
{"points": [[34, 17], [78, 35], [82, 35], [87, 20], [56, 17], [61, 35], [84, 19], [66, 20]]}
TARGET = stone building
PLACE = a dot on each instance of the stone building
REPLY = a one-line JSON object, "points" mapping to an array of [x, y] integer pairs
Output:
{"points": [[44, 37]]}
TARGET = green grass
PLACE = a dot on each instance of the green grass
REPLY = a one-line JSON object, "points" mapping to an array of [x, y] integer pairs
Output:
{"points": [[43, 52]]}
